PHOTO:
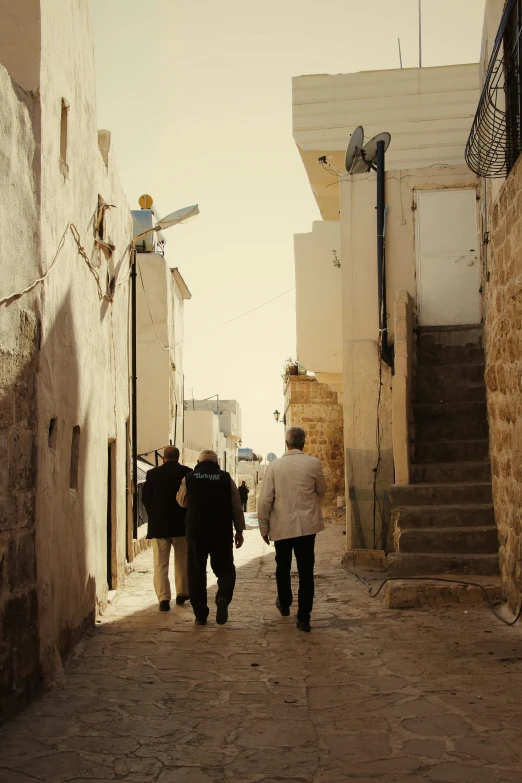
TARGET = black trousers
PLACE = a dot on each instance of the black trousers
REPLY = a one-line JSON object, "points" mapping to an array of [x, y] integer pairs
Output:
{"points": [[220, 550], [244, 503], [303, 548]]}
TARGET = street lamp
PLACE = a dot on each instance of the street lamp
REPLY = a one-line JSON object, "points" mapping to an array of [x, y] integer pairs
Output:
{"points": [[172, 219], [276, 415]]}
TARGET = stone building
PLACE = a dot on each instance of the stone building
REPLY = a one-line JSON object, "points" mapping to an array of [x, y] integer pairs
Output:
{"points": [[496, 159], [64, 369], [316, 408]]}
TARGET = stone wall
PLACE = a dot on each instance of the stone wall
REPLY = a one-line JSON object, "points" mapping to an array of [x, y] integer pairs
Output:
{"points": [[19, 348], [316, 408], [19, 662], [503, 344]]}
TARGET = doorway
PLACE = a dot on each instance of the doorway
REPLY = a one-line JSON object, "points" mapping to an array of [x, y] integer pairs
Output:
{"points": [[448, 268], [111, 515]]}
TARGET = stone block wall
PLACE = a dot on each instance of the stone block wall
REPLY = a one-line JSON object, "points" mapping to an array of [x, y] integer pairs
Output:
{"points": [[316, 408], [19, 640], [503, 346]]}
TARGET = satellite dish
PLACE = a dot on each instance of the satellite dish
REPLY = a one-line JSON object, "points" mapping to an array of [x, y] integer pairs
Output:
{"points": [[271, 457], [369, 151], [354, 148], [361, 166]]}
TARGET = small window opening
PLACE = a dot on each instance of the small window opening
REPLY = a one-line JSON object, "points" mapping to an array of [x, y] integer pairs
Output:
{"points": [[53, 433], [75, 457], [64, 121]]}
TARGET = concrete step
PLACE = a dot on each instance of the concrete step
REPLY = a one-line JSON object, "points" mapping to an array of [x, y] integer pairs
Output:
{"points": [[436, 354], [410, 517], [440, 494], [449, 335], [449, 394], [461, 429], [451, 451], [413, 564], [442, 375], [457, 411], [451, 472], [450, 540], [420, 594]]}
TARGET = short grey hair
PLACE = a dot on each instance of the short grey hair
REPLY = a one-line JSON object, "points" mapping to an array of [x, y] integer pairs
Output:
{"points": [[295, 437], [207, 455]]}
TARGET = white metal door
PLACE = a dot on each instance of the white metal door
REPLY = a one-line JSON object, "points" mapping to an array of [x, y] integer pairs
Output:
{"points": [[448, 268]]}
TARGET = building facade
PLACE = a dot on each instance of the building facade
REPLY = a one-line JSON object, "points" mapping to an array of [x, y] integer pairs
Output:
{"points": [[64, 326], [220, 431], [412, 368], [161, 293]]}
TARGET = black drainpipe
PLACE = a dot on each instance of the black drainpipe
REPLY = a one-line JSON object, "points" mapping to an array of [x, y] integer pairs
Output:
{"points": [[134, 413], [386, 354]]}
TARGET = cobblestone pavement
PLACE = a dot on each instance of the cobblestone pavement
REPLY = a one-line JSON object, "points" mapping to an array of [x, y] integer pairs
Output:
{"points": [[370, 696]]}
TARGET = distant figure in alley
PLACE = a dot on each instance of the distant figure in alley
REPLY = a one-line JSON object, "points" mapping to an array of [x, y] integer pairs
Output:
{"points": [[213, 505], [289, 514], [243, 494], [167, 527]]}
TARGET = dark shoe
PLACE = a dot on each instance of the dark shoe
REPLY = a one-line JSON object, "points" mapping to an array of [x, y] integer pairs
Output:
{"points": [[222, 611], [181, 599], [164, 606], [303, 625], [283, 610], [200, 621]]}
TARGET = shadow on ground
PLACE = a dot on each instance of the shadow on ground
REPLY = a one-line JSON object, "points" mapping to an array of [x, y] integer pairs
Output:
{"points": [[371, 695]]}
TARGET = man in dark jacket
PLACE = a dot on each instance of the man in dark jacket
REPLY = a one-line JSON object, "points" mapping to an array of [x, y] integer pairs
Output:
{"points": [[213, 504], [167, 527], [243, 494]]}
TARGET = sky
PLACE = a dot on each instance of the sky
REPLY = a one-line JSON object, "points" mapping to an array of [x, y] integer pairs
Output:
{"points": [[198, 98]]}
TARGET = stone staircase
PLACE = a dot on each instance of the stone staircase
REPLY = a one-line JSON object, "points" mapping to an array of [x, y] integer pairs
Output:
{"points": [[443, 522]]}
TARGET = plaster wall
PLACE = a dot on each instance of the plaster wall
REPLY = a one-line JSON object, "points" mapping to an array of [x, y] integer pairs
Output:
{"points": [[366, 384], [83, 379], [154, 335], [318, 297], [202, 431], [428, 112]]}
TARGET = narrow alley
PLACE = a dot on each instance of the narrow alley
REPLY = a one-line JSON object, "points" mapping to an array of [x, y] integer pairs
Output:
{"points": [[370, 695]]}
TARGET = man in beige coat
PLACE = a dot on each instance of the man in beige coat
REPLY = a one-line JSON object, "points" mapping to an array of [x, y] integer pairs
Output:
{"points": [[289, 514]]}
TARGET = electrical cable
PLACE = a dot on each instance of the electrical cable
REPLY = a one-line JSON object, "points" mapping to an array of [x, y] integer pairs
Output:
{"points": [[218, 326], [17, 295], [433, 579]]}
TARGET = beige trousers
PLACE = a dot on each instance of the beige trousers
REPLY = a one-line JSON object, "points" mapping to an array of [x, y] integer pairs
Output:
{"points": [[161, 549]]}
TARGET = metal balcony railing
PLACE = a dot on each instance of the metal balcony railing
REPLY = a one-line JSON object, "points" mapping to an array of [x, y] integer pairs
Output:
{"points": [[495, 140]]}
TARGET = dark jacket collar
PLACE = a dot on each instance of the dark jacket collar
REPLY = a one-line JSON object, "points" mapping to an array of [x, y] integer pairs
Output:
{"points": [[209, 466]]}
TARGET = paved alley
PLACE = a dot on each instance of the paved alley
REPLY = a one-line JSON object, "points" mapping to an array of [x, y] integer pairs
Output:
{"points": [[370, 696]]}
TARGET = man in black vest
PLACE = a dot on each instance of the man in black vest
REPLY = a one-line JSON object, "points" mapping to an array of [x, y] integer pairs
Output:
{"points": [[213, 504], [167, 526]]}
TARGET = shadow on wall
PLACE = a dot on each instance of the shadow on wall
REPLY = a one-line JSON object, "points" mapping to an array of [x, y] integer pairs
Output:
{"points": [[47, 596], [66, 589], [19, 646]]}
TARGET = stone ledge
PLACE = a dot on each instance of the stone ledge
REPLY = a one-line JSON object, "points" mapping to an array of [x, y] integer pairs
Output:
{"points": [[419, 594]]}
